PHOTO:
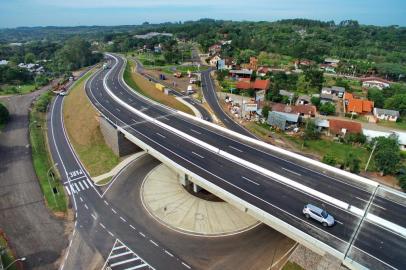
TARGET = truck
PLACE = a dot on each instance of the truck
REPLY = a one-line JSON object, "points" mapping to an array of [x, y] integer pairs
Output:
{"points": [[105, 66], [160, 87], [190, 90]]}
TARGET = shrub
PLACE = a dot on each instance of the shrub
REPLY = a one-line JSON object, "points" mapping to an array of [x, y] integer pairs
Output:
{"points": [[329, 159], [4, 114]]}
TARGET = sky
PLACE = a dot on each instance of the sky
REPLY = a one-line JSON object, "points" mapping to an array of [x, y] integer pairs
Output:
{"points": [[14, 13]]}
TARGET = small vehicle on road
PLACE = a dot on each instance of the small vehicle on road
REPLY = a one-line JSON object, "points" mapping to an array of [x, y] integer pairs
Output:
{"points": [[63, 93], [316, 213]]}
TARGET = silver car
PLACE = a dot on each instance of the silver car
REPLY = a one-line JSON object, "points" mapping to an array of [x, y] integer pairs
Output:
{"points": [[316, 213]]}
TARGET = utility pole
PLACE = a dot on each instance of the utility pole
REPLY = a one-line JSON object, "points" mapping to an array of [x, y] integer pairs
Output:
{"points": [[370, 156]]}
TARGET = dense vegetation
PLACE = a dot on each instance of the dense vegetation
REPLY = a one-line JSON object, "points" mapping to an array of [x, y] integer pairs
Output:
{"points": [[4, 115]]}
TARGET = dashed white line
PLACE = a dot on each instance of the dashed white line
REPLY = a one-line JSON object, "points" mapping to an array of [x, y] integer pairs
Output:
{"points": [[132, 227], [143, 235], [123, 219], [186, 265], [159, 134], [167, 252], [195, 131], [106, 202], [93, 216], [111, 233], [80, 198], [232, 147], [200, 156], [102, 225], [117, 109], [249, 180], [339, 222], [86, 207], [114, 211], [154, 243], [291, 171]]}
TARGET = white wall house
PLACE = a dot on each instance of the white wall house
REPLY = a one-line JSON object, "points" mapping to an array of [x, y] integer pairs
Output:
{"points": [[383, 114], [375, 82]]}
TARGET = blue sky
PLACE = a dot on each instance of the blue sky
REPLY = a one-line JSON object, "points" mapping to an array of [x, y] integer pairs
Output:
{"points": [[116, 12]]}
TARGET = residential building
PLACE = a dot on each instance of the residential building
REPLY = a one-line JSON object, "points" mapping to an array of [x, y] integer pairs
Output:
{"points": [[342, 127], [355, 105], [256, 85], [383, 114], [375, 82], [229, 63], [214, 49], [213, 61], [303, 100], [301, 110], [3, 62], [262, 71], [283, 120], [334, 90], [331, 62], [322, 124], [401, 136], [288, 94], [241, 73], [324, 98]]}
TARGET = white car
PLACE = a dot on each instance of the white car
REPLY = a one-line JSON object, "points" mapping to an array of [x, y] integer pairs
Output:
{"points": [[316, 213], [64, 93]]}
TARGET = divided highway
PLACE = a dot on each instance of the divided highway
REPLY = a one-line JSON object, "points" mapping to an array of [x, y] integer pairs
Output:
{"points": [[371, 243]]}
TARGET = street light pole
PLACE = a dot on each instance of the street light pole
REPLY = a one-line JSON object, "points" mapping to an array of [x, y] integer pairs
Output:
{"points": [[370, 156], [13, 262]]}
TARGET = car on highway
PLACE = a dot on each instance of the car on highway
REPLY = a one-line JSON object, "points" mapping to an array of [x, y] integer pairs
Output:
{"points": [[316, 213], [63, 93]]}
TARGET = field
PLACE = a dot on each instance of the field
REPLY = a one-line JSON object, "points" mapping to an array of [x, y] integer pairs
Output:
{"points": [[42, 163], [81, 122], [146, 88], [20, 89]]}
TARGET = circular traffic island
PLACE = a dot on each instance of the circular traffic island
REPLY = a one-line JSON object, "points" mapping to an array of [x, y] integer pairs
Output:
{"points": [[179, 209]]}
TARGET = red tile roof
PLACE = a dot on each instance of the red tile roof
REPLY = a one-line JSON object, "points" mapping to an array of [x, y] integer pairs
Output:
{"points": [[336, 126], [298, 109], [258, 84], [358, 105]]}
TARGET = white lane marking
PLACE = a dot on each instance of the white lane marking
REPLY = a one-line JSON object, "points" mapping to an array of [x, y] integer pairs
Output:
{"points": [[187, 266], [291, 171], [362, 199], [80, 184], [154, 243], [134, 120], [102, 225], [232, 147], [200, 156], [72, 188], [132, 227], [76, 186], [106, 202], [117, 109], [339, 222], [84, 183], [249, 180], [159, 134], [67, 189], [114, 211], [120, 254], [143, 235], [383, 208], [111, 233], [80, 198], [93, 216], [118, 247], [123, 219], [167, 252], [195, 131], [123, 262], [375, 257], [90, 183]]}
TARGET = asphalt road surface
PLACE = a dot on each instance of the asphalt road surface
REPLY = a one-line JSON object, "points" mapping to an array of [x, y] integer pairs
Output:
{"points": [[34, 232], [267, 193]]}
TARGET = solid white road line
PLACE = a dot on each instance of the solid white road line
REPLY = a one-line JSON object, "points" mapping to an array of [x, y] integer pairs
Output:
{"points": [[67, 189], [200, 156], [126, 261], [159, 134], [249, 180], [186, 265], [90, 183], [137, 267], [80, 184], [232, 147], [291, 171], [76, 186], [195, 131], [120, 254], [119, 247]]}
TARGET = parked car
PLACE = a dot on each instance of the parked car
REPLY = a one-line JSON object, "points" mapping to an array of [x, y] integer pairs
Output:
{"points": [[316, 213]]}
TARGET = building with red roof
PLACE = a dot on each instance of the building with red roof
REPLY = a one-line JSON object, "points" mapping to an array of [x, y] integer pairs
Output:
{"points": [[256, 85], [356, 105], [302, 110], [341, 127]]}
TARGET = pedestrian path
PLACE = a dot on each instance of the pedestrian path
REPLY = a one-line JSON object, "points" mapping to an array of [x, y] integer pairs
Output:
{"points": [[78, 185], [121, 257]]}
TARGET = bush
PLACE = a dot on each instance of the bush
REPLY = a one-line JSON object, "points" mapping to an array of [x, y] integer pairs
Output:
{"points": [[402, 181], [351, 138], [265, 111], [329, 159], [327, 108], [43, 101], [4, 114], [352, 162]]}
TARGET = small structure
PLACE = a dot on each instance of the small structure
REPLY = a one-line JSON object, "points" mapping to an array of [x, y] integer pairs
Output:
{"points": [[370, 134], [283, 120], [303, 100], [334, 90], [383, 114], [301, 110], [241, 73], [324, 98], [229, 63], [322, 124], [355, 105], [3, 62], [214, 60], [288, 94], [375, 82], [340, 128], [262, 71], [214, 49]]}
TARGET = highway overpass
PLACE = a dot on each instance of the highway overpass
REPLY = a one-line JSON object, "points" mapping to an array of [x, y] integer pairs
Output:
{"points": [[269, 183]]}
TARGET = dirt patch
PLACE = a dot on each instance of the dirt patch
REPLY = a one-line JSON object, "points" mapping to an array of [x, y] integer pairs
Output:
{"points": [[82, 125]]}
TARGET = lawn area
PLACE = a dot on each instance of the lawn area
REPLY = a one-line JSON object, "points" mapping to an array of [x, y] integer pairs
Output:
{"points": [[138, 83], [292, 266], [82, 126], [42, 162], [394, 125], [17, 89], [7, 257], [170, 69]]}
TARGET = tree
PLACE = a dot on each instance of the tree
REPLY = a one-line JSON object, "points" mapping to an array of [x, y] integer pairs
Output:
{"points": [[329, 159], [314, 77], [352, 162], [29, 58], [4, 114], [315, 101], [397, 102], [387, 154], [327, 108], [265, 111], [377, 97], [311, 132]]}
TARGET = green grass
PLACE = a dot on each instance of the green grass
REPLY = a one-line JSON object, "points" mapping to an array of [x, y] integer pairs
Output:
{"points": [[42, 163], [17, 89], [8, 256], [292, 266], [104, 181], [395, 125]]}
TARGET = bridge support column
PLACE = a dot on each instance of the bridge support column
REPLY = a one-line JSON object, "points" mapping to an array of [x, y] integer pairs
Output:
{"points": [[196, 188], [184, 179]]}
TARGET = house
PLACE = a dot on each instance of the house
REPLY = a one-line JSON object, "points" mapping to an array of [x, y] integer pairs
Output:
{"points": [[303, 100], [262, 71], [389, 115], [324, 98], [3, 62], [322, 124], [327, 68], [213, 61], [241, 73], [288, 94], [375, 82], [229, 63], [158, 48], [370, 134], [256, 85], [334, 90], [303, 62], [214, 49], [355, 105], [301, 110], [342, 127], [283, 120], [331, 62]]}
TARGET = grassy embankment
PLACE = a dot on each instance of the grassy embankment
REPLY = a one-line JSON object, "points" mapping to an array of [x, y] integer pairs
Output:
{"points": [[41, 157], [7, 255], [82, 126], [20, 89], [292, 266], [319, 148], [138, 83]]}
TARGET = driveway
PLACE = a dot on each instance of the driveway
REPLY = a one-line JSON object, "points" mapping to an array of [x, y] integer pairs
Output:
{"points": [[33, 231]]}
